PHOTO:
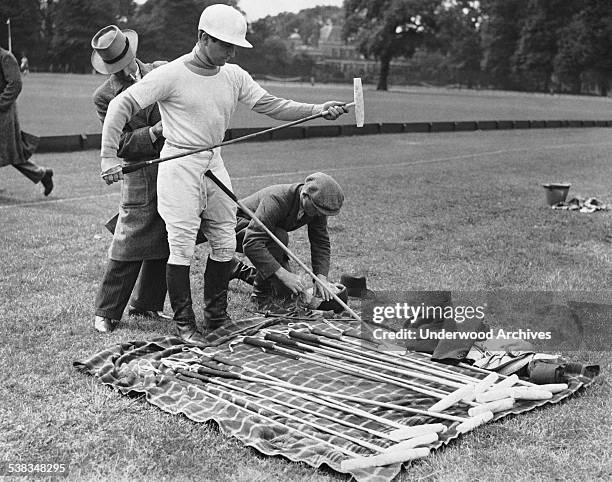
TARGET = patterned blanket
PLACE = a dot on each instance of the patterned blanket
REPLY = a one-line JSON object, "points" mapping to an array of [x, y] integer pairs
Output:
{"points": [[150, 368]]}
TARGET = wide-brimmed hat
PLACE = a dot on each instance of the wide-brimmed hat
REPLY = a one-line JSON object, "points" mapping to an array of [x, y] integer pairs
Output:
{"points": [[114, 49], [356, 286]]}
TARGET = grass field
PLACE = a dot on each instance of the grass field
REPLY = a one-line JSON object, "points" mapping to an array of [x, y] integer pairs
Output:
{"points": [[54, 104], [459, 211]]}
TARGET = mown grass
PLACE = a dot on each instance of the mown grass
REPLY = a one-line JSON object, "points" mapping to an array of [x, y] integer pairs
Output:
{"points": [[460, 211], [54, 104]]}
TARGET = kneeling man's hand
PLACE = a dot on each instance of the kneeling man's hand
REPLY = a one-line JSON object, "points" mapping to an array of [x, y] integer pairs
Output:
{"points": [[319, 288], [290, 280]]}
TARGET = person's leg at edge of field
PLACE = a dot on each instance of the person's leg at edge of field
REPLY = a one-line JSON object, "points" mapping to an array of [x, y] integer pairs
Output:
{"points": [[114, 292], [37, 174]]}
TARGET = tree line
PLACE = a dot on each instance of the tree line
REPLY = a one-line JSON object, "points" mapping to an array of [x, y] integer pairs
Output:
{"points": [[533, 45], [56, 34]]}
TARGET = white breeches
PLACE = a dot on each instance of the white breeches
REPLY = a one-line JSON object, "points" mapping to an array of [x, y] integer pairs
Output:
{"points": [[187, 198]]}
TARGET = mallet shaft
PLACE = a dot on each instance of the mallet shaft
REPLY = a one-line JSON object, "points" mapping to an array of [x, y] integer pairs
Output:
{"points": [[322, 428], [337, 420], [317, 399], [139, 165], [401, 359], [370, 359], [360, 400], [199, 386], [359, 372]]}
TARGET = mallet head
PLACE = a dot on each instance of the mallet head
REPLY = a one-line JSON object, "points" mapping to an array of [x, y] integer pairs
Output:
{"points": [[358, 100]]}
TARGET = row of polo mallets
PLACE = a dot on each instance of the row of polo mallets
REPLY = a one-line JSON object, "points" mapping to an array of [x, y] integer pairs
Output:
{"points": [[405, 439], [508, 387], [483, 395]]}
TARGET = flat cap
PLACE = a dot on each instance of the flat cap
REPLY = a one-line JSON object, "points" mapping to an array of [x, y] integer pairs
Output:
{"points": [[324, 192]]}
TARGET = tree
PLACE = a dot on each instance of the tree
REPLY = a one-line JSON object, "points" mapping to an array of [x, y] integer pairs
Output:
{"points": [[458, 39], [502, 21], [386, 29], [26, 23], [168, 29], [537, 47], [75, 23], [47, 8], [584, 48]]}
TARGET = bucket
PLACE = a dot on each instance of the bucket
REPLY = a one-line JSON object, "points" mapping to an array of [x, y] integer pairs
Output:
{"points": [[556, 192]]}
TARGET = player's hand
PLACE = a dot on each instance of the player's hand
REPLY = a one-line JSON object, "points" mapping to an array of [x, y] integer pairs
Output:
{"points": [[319, 288], [334, 109], [111, 170], [290, 280]]}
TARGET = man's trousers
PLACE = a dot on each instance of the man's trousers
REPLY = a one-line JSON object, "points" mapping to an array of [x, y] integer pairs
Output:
{"points": [[30, 170], [144, 281]]}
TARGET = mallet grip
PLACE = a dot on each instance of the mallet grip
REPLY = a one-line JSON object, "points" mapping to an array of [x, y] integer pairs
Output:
{"points": [[268, 345], [188, 376], [218, 373], [132, 167], [222, 186], [281, 339], [318, 331], [307, 337]]}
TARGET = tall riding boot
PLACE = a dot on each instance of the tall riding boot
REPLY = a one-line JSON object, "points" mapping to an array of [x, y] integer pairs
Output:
{"points": [[216, 280], [241, 271], [179, 292]]}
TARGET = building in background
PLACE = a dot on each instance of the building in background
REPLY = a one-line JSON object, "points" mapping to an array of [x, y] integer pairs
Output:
{"points": [[340, 59]]}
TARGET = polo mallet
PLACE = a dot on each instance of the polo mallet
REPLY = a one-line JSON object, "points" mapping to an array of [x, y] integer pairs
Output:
{"points": [[351, 345], [366, 358], [208, 376], [285, 345], [335, 395], [218, 374], [357, 103], [280, 244], [488, 394], [241, 403], [466, 424], [507, 380], [399, 433], [398, 453]]}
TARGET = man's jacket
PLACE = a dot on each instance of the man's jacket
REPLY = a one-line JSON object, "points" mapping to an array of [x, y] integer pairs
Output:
{"points": [[278, 207]]}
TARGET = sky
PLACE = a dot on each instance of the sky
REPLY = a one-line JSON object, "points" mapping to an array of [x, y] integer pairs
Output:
{"points": [[256, 9]]}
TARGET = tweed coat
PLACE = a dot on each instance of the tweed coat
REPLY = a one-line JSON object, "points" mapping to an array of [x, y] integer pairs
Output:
{"points": [[278, 206], [15, 147], [139, 231]]}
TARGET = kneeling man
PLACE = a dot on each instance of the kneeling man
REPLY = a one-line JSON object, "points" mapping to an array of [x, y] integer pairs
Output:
{"points": [[283, 208]]}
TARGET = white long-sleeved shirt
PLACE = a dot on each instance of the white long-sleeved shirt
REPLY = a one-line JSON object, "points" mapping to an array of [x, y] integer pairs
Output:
{"points": [[195, 107]]}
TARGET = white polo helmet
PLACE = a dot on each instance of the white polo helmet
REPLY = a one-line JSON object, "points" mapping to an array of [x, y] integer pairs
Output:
{"points": [[225, 23]]}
